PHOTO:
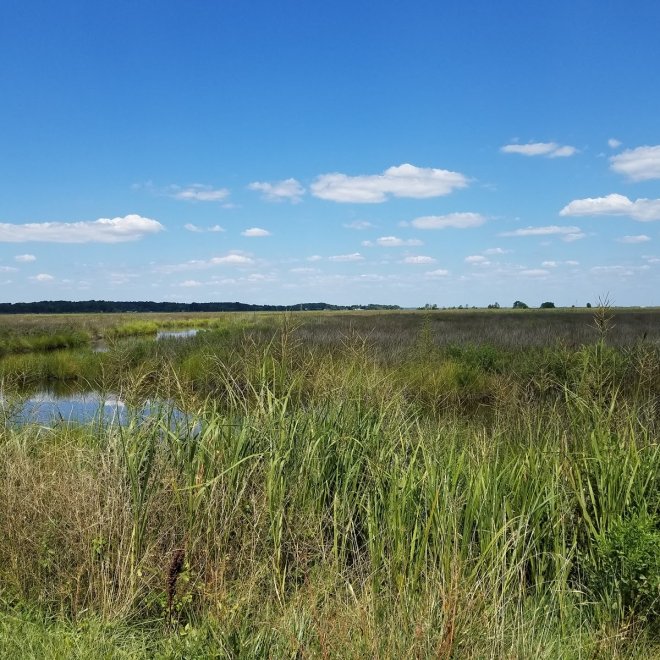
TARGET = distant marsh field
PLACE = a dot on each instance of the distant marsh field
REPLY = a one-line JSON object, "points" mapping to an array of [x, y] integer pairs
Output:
{"points": [[464, 483]]}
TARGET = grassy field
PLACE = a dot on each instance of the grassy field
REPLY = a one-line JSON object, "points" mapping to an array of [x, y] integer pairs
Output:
{"points": [[441, 484]]}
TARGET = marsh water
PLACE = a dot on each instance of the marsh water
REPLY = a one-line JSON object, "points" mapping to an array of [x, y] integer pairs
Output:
{"points": [[101, 345], [48, 406], [49, 403], [186, 333]]}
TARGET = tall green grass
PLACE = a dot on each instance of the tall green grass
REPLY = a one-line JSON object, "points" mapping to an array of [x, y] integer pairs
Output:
{"points": [[455, 501]]}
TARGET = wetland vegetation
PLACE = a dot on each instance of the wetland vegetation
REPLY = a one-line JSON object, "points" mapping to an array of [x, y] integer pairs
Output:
{"points": [[347, 484]]}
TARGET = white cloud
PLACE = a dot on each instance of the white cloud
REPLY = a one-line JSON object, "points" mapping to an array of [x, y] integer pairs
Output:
{"points": [[641, 238], [453, 220], [279, 191], [550, 230], [255, 232], [644, 210], [535, 272], [315, 257], [572, 262], [393, 241], [640, 164], [356, 256], [259, 277], [563, 152], [548, 149], [575, 236], [198, 192], [619, 271], [8, 269], [190, 283], [25, 258], [440, 272], [419, 259], [104, 230], [200, 230], [497, 250], [303, 271], [374, 277], [402, 181], [477, 259], [235, 259], [613, 143], [549, 264], [42, 277], [359, 225]]}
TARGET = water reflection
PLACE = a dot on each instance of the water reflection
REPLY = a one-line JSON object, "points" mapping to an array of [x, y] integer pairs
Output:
{"points": [[48, 408], [62, 405], [176, 334]]}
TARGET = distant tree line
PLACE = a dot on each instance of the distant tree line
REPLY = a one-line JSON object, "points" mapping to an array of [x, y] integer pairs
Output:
{"points": [[110, 306]]}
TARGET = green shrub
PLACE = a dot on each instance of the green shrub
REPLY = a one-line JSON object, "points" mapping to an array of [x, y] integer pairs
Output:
{"points": [[624, 572]]}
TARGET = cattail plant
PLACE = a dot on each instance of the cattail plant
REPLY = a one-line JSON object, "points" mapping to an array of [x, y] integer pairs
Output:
{"points": [[174, 569]]}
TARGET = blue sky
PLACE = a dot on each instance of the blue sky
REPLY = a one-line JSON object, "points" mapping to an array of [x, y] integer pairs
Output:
{"points": [[347, 152]]}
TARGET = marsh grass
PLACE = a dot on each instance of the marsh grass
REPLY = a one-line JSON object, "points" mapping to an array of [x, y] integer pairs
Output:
{"points": [[339, 499]]}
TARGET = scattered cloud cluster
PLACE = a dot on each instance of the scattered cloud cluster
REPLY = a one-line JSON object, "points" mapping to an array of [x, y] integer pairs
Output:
{"points": [[104, 230], [346, 268]]}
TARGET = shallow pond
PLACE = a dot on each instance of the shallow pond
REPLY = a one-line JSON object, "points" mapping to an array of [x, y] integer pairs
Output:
{"points": [[48, 407], [102, 346]]}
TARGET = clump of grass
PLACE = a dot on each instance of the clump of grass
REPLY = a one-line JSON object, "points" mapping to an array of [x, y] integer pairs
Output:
{"points": [[42, 342], [132, 329]]}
